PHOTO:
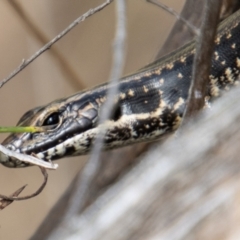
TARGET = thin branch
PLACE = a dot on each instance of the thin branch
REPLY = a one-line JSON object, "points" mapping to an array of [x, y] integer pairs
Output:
{"points": [[190, 26], [54, 40], [94, 164], [91, 170], [15, 198], [202, 60], [72, 77], [180, 34]]}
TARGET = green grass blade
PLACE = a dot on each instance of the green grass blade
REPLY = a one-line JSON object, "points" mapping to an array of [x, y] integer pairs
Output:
{"points": [[17, 129]]}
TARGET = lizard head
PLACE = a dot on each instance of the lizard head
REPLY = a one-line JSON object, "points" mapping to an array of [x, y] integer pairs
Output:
{"points": [[61, 120]]}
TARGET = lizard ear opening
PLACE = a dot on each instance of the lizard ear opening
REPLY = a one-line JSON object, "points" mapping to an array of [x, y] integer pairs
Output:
{"points": [[117, 112]]}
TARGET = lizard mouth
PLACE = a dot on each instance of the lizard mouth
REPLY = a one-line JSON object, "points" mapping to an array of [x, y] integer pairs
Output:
{"points": [[35, 143]]}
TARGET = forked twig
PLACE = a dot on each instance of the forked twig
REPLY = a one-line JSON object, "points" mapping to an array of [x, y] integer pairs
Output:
{"points": [[5, 202], [15, 198]]}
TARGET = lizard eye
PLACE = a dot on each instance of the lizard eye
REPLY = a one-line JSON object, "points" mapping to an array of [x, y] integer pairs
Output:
{"points": [[52, 119]]}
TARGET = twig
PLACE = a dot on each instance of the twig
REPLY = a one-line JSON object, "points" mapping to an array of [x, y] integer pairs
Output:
{"points": [[93, 165], [15, 198], [54, 40], [177, 15], [202, 60], [6, 153], [180, 34], [89, 173], [66, 68], [5, 202]]}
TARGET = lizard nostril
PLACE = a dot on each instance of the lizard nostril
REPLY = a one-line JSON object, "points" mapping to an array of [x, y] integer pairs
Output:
{"points": [[10, 147]]}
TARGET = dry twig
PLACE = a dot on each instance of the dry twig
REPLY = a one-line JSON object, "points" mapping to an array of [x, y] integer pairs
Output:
{"points": [[203, 57], [15, 198], [67, 69], [93, 166], [25, 63], [180, 34], [5, 202], [178, 16]]}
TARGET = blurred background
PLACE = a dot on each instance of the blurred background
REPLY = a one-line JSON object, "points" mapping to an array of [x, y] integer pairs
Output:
{"points": [[81, 59]]}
